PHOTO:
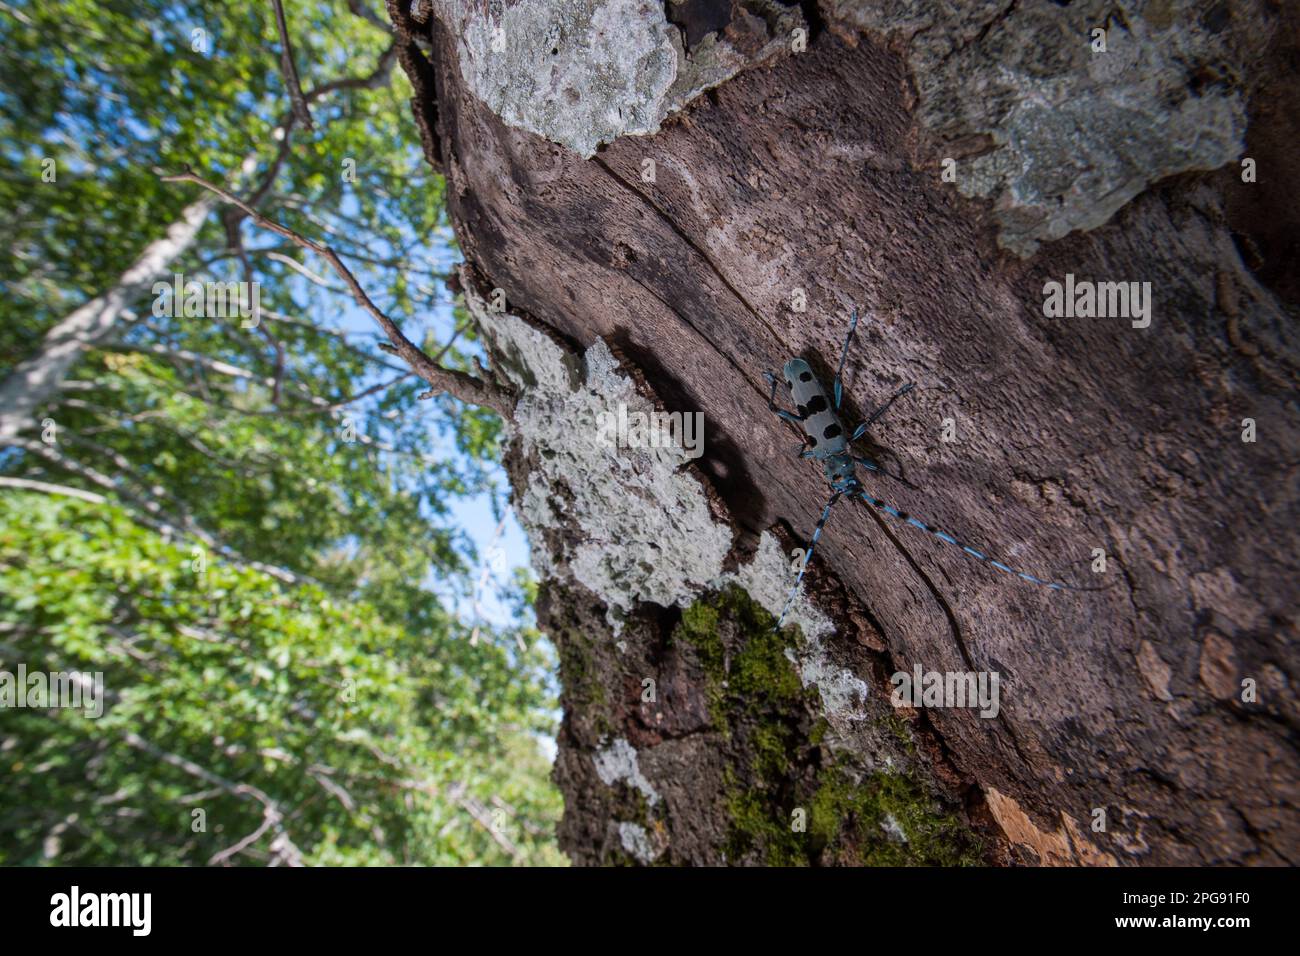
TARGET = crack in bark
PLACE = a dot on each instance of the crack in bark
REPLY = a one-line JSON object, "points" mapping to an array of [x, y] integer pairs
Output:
{"points": [[681, 233], [686, 320], [953, 624], [943, 603]]}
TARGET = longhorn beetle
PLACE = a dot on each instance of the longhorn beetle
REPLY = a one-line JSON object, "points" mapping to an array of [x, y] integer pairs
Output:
{"points": [[826, 441]]}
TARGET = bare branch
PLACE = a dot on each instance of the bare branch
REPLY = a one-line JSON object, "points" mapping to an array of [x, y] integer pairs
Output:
{"points": [[272, 815], [371, 81], [467, 388], [268, 820], [290, 69], [483, 819], [283, 133], [302, 270], [27, 484]]}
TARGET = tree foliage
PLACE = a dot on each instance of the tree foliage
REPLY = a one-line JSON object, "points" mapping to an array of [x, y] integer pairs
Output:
{"points": [[293, 444], [376, 743]]}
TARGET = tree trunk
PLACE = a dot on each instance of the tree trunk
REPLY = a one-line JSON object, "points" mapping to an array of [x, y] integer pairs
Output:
{"points": [[1150, 721], [34, 380]]}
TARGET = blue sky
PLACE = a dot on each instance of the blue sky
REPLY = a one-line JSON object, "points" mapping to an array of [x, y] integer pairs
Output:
{"points": [[471, 514]]}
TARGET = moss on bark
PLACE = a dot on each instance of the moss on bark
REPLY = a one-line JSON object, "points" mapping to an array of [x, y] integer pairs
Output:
{"points": [[790, 801]]}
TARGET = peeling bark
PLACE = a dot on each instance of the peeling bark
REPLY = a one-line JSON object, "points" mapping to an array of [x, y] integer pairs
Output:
{"points": [[815, 173]]}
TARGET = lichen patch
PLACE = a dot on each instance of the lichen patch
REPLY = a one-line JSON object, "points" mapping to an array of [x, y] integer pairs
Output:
{"points": [[1076, 132], [617, 763], [647, 533], [584, 72]]}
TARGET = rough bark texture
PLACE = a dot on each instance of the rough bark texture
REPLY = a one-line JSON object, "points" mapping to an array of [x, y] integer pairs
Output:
{"points": [[813, 172]]}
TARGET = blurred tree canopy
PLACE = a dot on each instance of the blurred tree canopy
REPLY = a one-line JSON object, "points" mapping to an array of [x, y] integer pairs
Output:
{"points": [[245, 525]]}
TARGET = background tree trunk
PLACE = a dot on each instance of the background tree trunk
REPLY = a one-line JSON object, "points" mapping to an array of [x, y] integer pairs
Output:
{"points": [[814, 172], [35, 379]]}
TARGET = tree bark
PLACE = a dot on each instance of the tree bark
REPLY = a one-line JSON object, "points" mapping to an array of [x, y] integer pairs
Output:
{"points": [[1075, 437]]}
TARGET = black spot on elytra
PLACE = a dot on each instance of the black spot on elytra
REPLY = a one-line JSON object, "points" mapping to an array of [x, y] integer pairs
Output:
{"points": [[803, 410], [805, 376], [817, 404], [832, 431], [812, 441]]}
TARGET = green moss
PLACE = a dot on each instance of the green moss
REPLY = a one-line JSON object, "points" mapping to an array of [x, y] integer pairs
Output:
{"points": [[580, 678], [848, 820], [757, 826], [901, 730], [761, 670], [699, 628], [775, 733], [818, 732], [757, 700], [771, 751], [575, 660], [757, 675]]}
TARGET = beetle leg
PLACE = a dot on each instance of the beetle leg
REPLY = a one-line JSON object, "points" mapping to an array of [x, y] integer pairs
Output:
{"points": [[862, 429], [771, 401], [844, 354]]}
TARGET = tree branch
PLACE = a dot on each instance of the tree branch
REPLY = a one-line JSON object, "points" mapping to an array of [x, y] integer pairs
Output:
{"points": [[467, 388], [27, 484], [272, 815], [32, 381], [290, 69]]}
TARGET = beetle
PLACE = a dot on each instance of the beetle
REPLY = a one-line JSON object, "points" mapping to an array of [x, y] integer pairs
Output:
{"points": [[826, 440]]}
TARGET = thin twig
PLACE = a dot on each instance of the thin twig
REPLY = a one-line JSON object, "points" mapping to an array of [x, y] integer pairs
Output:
{"points": [[27, 484], [467, 388], [272, 815], [290, 68]]}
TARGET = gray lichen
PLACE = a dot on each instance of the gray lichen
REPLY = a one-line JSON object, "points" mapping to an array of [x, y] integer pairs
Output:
{"points": [[893, 829], [584, 72], [617, 763], [1072, 134], [646, 530], [636, 842]]}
